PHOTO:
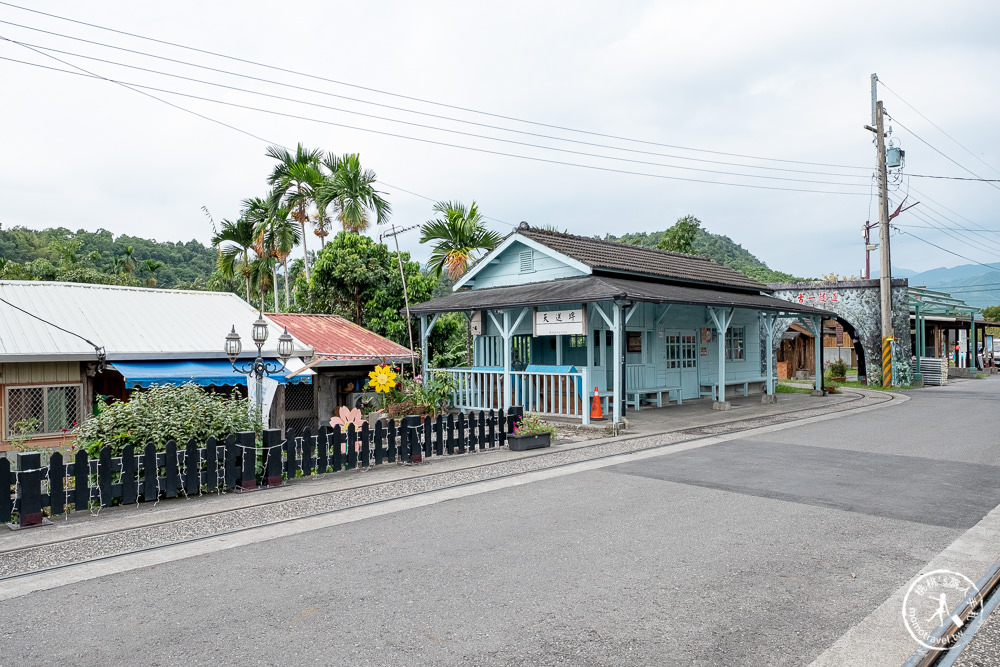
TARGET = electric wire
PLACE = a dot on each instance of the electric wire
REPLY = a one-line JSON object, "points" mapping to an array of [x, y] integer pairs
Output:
{"points": [[429, 127], [377, 104], [136, 87], [422, 100], [938, 128], [941, 153]]}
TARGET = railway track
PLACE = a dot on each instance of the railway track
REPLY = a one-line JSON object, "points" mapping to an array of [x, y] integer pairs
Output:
{"points": [[105, 546]]}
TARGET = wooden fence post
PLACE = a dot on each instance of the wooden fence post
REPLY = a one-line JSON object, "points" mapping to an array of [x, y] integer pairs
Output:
{"points": [[57, 478], [29, 489], [6, 481], [272, 456], [248, 450]]}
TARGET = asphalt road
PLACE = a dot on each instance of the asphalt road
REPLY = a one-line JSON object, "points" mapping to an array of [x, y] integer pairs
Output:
{"points": [[775, 548]]}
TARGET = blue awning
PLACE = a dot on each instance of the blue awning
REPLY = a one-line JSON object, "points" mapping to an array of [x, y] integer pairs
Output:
{"points": [[205, 372]]}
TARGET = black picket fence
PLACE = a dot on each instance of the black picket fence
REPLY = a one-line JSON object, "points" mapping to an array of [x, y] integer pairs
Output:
{"points": [[237, 463]]}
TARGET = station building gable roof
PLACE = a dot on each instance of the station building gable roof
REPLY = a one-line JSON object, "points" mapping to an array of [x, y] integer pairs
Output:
{"points": [[579, 255]]}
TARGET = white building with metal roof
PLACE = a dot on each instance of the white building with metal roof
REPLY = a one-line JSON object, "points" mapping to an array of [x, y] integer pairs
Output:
{"points": [[56, 337]]}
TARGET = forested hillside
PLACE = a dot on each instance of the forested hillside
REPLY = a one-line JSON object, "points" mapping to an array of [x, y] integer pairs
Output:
{"points": [[721, 249], [98, 257]]}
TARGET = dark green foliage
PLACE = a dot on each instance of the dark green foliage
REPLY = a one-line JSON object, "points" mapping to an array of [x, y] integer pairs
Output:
{"points": [[358, 279], [721, 249], [90, 257], [681, 237]]}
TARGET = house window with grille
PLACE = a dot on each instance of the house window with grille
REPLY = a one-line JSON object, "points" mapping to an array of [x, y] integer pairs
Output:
{"points": [[43, 409], [527, 258], [734, 343], [577, 340]]}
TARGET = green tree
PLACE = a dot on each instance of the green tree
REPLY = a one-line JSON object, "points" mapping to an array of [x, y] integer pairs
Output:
{"points": [[128, 260], [457, 237], [347, 272], [680, 237], [350, 190], [235, 243], [150, 267], [294, 181], [991, 313]]}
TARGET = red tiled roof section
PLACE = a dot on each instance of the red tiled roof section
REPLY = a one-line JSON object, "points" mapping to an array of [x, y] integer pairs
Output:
{"points": [[614, 256], [334, 337]]}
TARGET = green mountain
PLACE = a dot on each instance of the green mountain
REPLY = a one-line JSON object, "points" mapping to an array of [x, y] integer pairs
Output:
{"points": [[96, 257], [720, 249]]}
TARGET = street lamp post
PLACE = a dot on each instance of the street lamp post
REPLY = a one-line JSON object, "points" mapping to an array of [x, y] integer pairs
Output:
{"points": [[258, 367]]}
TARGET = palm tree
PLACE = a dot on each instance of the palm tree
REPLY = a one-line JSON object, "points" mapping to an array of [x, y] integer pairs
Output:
{"points": [[128, 261], [116, 266], [235, 243], [350, 189], [151, 266], [457, 237], [294, 180], [275, 235], [261, 272]]}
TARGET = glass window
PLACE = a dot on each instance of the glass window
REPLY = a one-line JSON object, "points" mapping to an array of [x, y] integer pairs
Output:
{"points": [[43, 410], [735, 343]]}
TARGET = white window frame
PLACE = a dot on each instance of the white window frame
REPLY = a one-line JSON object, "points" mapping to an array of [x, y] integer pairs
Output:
{"points": [[45, 407], [732, 335]]}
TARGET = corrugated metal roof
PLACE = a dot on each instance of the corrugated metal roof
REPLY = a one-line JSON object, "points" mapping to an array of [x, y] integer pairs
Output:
{"points": [[640, 260], [587, 289], [336, 338], [44, 321]]}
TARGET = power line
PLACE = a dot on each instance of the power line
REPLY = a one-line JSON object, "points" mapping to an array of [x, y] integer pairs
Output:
{"points": [[939, 152], [988, 266], [938, 128], [431, 127], [421, 100], [377, 104], [135, 86], [232, 127]]}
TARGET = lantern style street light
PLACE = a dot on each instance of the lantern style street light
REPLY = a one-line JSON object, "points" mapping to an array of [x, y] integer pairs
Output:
{"points": [[258, 367]]}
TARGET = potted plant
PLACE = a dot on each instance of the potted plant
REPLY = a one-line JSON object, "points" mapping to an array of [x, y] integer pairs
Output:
{"points": [[531, 432], [838, 371]]}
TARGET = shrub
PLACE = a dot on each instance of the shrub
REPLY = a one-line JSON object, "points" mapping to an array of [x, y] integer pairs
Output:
{"points": [[533, 424], [163, 413], [838, 368]]}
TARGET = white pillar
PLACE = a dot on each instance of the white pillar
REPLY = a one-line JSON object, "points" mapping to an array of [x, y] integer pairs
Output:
{"points": [[559, 350], [619, 380], [770, 321], [423, 345], [508, 394]]}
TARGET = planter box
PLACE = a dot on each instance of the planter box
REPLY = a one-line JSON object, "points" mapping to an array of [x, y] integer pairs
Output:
{"points": [[522, 443]]}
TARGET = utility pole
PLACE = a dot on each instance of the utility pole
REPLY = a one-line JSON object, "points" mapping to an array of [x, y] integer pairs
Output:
{"points": [[885, 264], [406, 297]]}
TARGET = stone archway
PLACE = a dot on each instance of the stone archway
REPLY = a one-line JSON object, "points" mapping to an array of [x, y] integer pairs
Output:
{"points": [[856, 303]]}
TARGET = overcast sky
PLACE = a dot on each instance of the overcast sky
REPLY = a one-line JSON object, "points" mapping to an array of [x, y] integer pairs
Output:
{"points": [[679, 91]]}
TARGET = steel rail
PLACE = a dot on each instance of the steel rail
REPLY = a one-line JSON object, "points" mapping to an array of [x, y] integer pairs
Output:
{"points": [[696, 433]]}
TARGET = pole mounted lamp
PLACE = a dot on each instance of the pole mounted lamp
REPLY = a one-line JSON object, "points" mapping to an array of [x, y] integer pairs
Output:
{"points": [[258, 367]]}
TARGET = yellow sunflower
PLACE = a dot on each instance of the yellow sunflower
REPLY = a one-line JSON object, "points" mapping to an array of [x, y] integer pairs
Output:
{"points": [[383, 378]]}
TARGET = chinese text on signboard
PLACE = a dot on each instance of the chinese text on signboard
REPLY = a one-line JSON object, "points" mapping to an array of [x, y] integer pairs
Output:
{"points": [[560, 322]]}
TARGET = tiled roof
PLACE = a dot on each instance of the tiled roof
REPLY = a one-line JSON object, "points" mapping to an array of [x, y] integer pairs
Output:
{"points": [[612, 256], [587, 289], [48, 321], [334, 337]]}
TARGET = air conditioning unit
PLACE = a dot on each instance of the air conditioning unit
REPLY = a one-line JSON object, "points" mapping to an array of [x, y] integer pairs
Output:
{"points": [[363, 400]]}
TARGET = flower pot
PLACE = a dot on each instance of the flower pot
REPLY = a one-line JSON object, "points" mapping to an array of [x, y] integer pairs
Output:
{"points": [[520, 443], [839, 378]]}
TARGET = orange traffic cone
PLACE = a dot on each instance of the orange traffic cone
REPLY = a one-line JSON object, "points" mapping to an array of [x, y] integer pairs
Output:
{"points": [[595, 407]]}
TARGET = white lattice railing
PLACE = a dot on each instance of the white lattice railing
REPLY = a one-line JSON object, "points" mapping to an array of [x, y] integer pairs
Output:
{"points": [[547, 393]]}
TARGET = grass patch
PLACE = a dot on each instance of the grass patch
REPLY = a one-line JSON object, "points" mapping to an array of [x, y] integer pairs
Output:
{"points": [[791, 389], [858, 385]]}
